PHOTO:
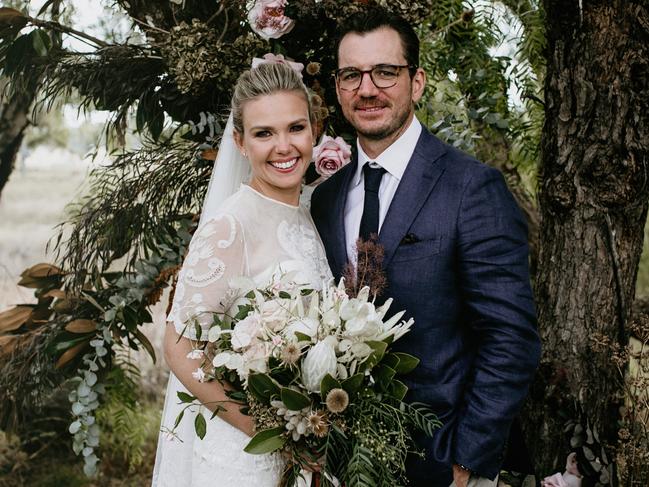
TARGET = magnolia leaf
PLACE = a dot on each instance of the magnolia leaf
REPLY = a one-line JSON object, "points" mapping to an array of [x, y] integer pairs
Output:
{"points": [[383, 375], [266, 441], [14, 318], [407, 363], [42, 270], [71, 353], [328, 382], [353, 384], [81, 326], [200, 425], [262, 387], [293, 400], [398, 389]]}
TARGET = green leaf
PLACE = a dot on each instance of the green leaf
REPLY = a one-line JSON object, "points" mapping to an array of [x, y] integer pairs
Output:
{"points": [[145, 343], [179, 418], [284, 295], [262, 387], [266, 441], [16, 53], [184, 397], [294, 400], [398, 389], [41, 42], [407, 363], [383, 375], [353, 384], [200, 425], [328, 383], [376, 356], [302, 337]]}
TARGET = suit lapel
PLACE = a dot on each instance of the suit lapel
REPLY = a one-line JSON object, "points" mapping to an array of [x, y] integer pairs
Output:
{"points": [[417, 183]]}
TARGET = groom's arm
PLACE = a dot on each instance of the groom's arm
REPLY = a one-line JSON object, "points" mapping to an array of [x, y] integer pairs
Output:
{"points": [[497, 297]]}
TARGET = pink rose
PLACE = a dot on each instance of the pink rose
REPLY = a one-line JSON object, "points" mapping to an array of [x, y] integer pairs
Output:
{"points": [[267, 19], [330, 155], [272, 58]]}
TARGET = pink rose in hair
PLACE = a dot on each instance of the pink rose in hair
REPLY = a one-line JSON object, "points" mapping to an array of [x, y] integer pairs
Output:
{"points": [[330, 155], [267, 19], [278, 58]]}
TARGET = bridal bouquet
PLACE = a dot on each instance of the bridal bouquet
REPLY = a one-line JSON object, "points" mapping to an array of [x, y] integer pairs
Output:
{"points": [[314, 370]]}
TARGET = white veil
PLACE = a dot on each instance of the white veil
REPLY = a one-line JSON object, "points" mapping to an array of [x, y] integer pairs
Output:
{"points": [[230, 170]]}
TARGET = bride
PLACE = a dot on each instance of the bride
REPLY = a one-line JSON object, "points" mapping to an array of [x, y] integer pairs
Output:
{"points": [[256, 232]]}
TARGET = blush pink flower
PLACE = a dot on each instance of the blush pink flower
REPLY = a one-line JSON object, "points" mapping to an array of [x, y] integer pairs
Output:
{"points": [[277, 58], [267, 19], [330, 155]]}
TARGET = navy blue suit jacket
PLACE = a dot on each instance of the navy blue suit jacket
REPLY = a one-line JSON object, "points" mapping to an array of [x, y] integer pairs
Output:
{"points": [[465, 280]]}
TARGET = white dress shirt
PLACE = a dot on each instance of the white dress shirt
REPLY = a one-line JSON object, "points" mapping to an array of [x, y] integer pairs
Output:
{"points": [[394, 160]]}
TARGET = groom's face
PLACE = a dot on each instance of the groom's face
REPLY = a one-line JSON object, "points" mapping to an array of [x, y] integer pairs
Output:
{"points": [[378, 113]]}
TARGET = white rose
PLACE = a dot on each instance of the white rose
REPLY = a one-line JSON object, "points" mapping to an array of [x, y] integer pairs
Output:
{"points": [[244, 331], [320, 360], [274, 314]]}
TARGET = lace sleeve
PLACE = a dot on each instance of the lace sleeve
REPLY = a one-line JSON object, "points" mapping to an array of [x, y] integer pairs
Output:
{"points": [[216, 254]]}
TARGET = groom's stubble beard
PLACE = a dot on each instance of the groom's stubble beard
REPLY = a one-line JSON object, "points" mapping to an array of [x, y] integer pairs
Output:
{"points": [[395, 125]]}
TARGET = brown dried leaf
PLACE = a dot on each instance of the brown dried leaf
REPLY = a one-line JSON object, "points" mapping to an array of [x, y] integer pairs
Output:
{"points": [[12, 17], [54, 293], [14, 318], [81, 326], [7, 343], [38, 275], [70, 353]]}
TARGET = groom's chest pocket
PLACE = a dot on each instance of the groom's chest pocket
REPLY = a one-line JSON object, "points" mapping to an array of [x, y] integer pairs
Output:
{"points": [[421, 249]]}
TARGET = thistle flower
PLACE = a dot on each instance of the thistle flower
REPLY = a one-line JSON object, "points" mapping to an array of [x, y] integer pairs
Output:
{"points": [[318, 423], [337, 400], [290, 353], [313, 68]]}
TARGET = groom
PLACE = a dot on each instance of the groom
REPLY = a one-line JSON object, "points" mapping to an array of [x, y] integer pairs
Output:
{"points": [[456, 254]]}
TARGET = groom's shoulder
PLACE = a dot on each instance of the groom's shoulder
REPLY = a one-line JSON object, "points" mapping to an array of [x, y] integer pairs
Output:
{"points": [[454, 160], [332, 187]]}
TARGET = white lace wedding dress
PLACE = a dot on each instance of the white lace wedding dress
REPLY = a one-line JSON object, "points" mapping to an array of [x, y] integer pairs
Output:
{"points": [[254, 236]]}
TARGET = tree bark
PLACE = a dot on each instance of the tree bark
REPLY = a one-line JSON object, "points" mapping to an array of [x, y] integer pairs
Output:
{"points": [[593, 196], [14, 120]]}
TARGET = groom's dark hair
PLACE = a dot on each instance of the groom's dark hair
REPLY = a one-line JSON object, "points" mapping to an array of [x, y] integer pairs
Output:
{"points": [[375, 18]]}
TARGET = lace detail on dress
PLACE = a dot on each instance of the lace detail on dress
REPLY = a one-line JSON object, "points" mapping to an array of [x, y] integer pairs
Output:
{"points": [[216, 251], [303, 243]]}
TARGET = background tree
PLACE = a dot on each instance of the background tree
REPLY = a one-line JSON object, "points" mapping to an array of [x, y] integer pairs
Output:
{"points": [[593, 199]]}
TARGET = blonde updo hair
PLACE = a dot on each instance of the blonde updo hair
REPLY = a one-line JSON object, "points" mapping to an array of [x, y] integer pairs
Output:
{"points": [[266, 79]]}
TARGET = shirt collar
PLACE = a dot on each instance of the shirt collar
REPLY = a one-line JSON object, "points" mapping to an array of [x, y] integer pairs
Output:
{"points": [[395, 158]]}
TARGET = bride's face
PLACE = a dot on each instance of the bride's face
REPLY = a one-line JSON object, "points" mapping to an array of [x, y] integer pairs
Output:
{"points": [[277, 139]]}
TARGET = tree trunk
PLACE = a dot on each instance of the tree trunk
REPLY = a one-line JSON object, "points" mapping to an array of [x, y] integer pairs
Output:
{"points": [[14, 119], [593, 196]]}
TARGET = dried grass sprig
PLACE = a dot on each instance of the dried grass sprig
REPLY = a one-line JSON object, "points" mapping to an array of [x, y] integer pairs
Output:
{"points": [[369, 268]]}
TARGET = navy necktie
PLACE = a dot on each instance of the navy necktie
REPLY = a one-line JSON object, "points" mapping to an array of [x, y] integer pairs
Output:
{"points": [[370, 218]]}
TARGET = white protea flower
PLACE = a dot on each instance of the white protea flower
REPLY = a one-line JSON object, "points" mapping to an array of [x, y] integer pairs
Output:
{"points": [[320, 360]]}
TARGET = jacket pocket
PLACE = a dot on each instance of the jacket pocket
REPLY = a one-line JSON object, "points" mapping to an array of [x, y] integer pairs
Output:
{"points": [[418, 250]]}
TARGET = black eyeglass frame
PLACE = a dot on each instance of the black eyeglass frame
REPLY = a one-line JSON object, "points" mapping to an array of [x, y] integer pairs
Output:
{"points": [[412, 68]]}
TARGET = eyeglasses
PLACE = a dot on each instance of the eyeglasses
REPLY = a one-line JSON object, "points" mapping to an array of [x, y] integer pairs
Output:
{"points": [[382, 75]]}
